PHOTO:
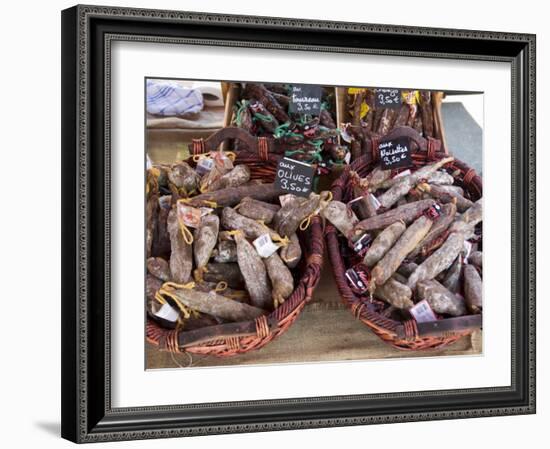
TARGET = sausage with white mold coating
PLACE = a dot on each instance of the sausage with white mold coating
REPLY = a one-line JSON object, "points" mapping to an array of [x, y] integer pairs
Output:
{"points": [[399, 251], [182, 176], [376, 178], [406, 183], [453, 276], [225, 252], [181, 256], [254, 273], [473, 289], [251, 228], [395, 293], [257, 210], [159, 268], [441, 224], [364, 202], [221, 167], [439, 298], [341, 217], [288, 218], [441, 178], [205, 239], [228, 292], [468, 220], [161, 239], [407, 268], [383, 242], [233, 195], [476, 258], [224, 272], [281, 278], [217, 305], [234, 178], [152, 286], [439, 260], [406, 213], [292, 252], [444, 194]]}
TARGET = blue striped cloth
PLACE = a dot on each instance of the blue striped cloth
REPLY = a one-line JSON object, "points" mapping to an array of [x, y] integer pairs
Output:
{"points": [[168, 98]]}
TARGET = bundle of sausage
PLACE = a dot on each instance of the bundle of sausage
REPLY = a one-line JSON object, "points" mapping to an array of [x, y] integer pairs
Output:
{"points": [[220, 247], [416, 109], [412, 243], [263, 110]]}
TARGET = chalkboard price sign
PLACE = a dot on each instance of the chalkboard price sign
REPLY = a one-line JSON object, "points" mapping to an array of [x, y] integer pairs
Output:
{"points": [[395, 153], [387, 98], [294, 176], [305, 99]]}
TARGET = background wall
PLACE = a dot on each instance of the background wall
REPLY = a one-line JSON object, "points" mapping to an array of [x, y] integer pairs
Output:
{"points": [[30, 224]]}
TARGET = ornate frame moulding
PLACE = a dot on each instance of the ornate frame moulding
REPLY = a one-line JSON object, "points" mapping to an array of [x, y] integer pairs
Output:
{"points": [[87, 35]]}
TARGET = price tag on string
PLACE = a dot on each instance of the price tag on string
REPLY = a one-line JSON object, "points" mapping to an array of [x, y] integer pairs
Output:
{"points": [[294, 176], [395, 153], [305, 99], [387, 98], [265, 246]]}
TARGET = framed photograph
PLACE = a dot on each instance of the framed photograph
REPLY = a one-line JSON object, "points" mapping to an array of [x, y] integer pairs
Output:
{"points": [[278, 224]]}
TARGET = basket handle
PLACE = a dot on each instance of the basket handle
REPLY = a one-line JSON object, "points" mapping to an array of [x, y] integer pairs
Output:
{"points": [[222, 331], [427, 149], [259, 145]]}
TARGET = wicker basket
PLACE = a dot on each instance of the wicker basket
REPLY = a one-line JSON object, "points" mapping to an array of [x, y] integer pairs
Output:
{"points": [[232, 93], [344, 99], [408, 335], [237, 338]]}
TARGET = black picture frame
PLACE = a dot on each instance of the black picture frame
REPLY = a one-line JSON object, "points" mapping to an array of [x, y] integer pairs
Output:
{"points": [[87, 414]]}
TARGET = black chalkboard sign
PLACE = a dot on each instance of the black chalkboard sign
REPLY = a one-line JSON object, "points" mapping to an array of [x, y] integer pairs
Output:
{"points": [[387, 98], [305, 99], [294, 177], [395, 153]]}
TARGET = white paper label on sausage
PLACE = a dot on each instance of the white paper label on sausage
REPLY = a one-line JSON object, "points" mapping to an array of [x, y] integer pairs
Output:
{"points": [[265, 246], [422, 312], [403, 173], [204, 165], [375, 201], [167, 313], [188, 215], [467, 250]]}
